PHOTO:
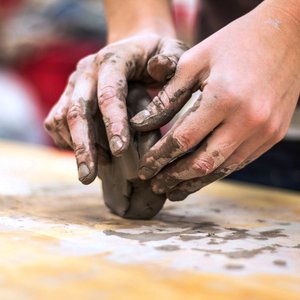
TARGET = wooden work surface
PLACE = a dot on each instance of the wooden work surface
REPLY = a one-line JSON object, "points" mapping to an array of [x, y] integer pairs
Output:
{"points": [[58, 241]]}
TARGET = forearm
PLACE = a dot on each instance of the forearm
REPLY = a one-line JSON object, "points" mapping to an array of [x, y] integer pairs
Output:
{"points": [[126, 18]]}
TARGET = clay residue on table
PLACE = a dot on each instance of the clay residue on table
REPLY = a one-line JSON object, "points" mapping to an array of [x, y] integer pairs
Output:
{"points": [[222, 243]]}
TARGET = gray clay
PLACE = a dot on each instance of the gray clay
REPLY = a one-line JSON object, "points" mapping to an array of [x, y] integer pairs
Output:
{"points": [[123, 192]]}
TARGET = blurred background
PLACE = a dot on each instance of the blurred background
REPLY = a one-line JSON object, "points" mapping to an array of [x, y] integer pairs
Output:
{"points": [[41, 42]]}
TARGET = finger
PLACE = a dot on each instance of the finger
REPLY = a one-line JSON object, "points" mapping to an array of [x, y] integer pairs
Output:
{"points": [[102, 146], [185, 188], [238, 160], [56, 123], [79, 118], [217, 148], [112, 92], [56, 126], [137, 99], [162, 66], [167, 103], [191, 128], [246, 153]]}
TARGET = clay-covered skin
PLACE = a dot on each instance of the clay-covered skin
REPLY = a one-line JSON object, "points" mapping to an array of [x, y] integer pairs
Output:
{"points": [[248, 76], [124, 193], [99, 84]]}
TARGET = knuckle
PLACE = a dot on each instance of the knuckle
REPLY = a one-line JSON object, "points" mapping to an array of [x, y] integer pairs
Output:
{"points": [[171, 180], [183, 64], [192, 185], [185, 60], [74, 113], [48, 124], [105, 94], [105, 55], [89, 76], [262, 117], [109, 122], [84, 62], [159, 101], [81, 64], [222, 93], [58, 120], [79, 149], [230, 97], [203, 166], [181, 142], [257, 117]]}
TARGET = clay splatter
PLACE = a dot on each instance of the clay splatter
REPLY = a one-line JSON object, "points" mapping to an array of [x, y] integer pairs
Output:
{"points": [[240, 253], [279, 263], [168, 248], [234, 267]]}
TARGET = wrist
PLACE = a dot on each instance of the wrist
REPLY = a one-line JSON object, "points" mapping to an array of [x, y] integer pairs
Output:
{"points": [[132, 17], [141, 27]]}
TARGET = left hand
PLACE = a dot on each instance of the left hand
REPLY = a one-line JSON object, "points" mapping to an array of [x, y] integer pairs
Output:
{"points": [[249, 75], [73, 121]]}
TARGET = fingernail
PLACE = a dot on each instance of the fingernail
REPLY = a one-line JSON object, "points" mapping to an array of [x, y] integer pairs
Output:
{"points": [[140, 117], [145, 173], [116, 144], [83, 172], [177, 195]]}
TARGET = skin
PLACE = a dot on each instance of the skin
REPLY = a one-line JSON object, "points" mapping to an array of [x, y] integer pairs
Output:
{"points": [[123, 192], [248, 73], [139, 49], [249, 76]]}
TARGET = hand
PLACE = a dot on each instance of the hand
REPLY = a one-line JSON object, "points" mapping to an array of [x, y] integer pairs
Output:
{"points": [[99, 84], [249, 75]]}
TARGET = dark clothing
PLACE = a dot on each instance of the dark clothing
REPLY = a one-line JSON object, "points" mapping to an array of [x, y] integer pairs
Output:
{"points": [[279, 167], [218, 13]]}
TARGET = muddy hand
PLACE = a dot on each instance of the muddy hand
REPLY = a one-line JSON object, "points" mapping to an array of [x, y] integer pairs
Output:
{"points": [[100, 84], [248, 73]]}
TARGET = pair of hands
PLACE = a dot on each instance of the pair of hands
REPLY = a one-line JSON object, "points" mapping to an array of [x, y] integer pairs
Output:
{"points": [[249, 76]]}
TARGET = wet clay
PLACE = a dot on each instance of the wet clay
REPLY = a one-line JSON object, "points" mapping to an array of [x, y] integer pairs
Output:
{"points": [[124, 193]]}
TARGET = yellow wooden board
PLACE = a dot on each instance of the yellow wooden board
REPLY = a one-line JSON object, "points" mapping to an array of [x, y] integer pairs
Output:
{"points": [[58, 241]]}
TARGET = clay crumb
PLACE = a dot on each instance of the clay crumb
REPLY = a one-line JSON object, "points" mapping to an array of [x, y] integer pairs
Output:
{"points": [[167, 248], [261, 221], [234, 267], [279, 263]]}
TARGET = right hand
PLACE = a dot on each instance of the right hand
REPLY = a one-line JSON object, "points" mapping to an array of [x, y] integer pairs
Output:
{"points": [[99, 84]]}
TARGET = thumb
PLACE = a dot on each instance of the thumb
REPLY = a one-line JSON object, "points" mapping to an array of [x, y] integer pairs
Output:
{"points": [[167, 103], [162, 66]]}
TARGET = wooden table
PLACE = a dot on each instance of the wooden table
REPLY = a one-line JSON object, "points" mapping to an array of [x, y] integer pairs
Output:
{"points": [[58, 241]]}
